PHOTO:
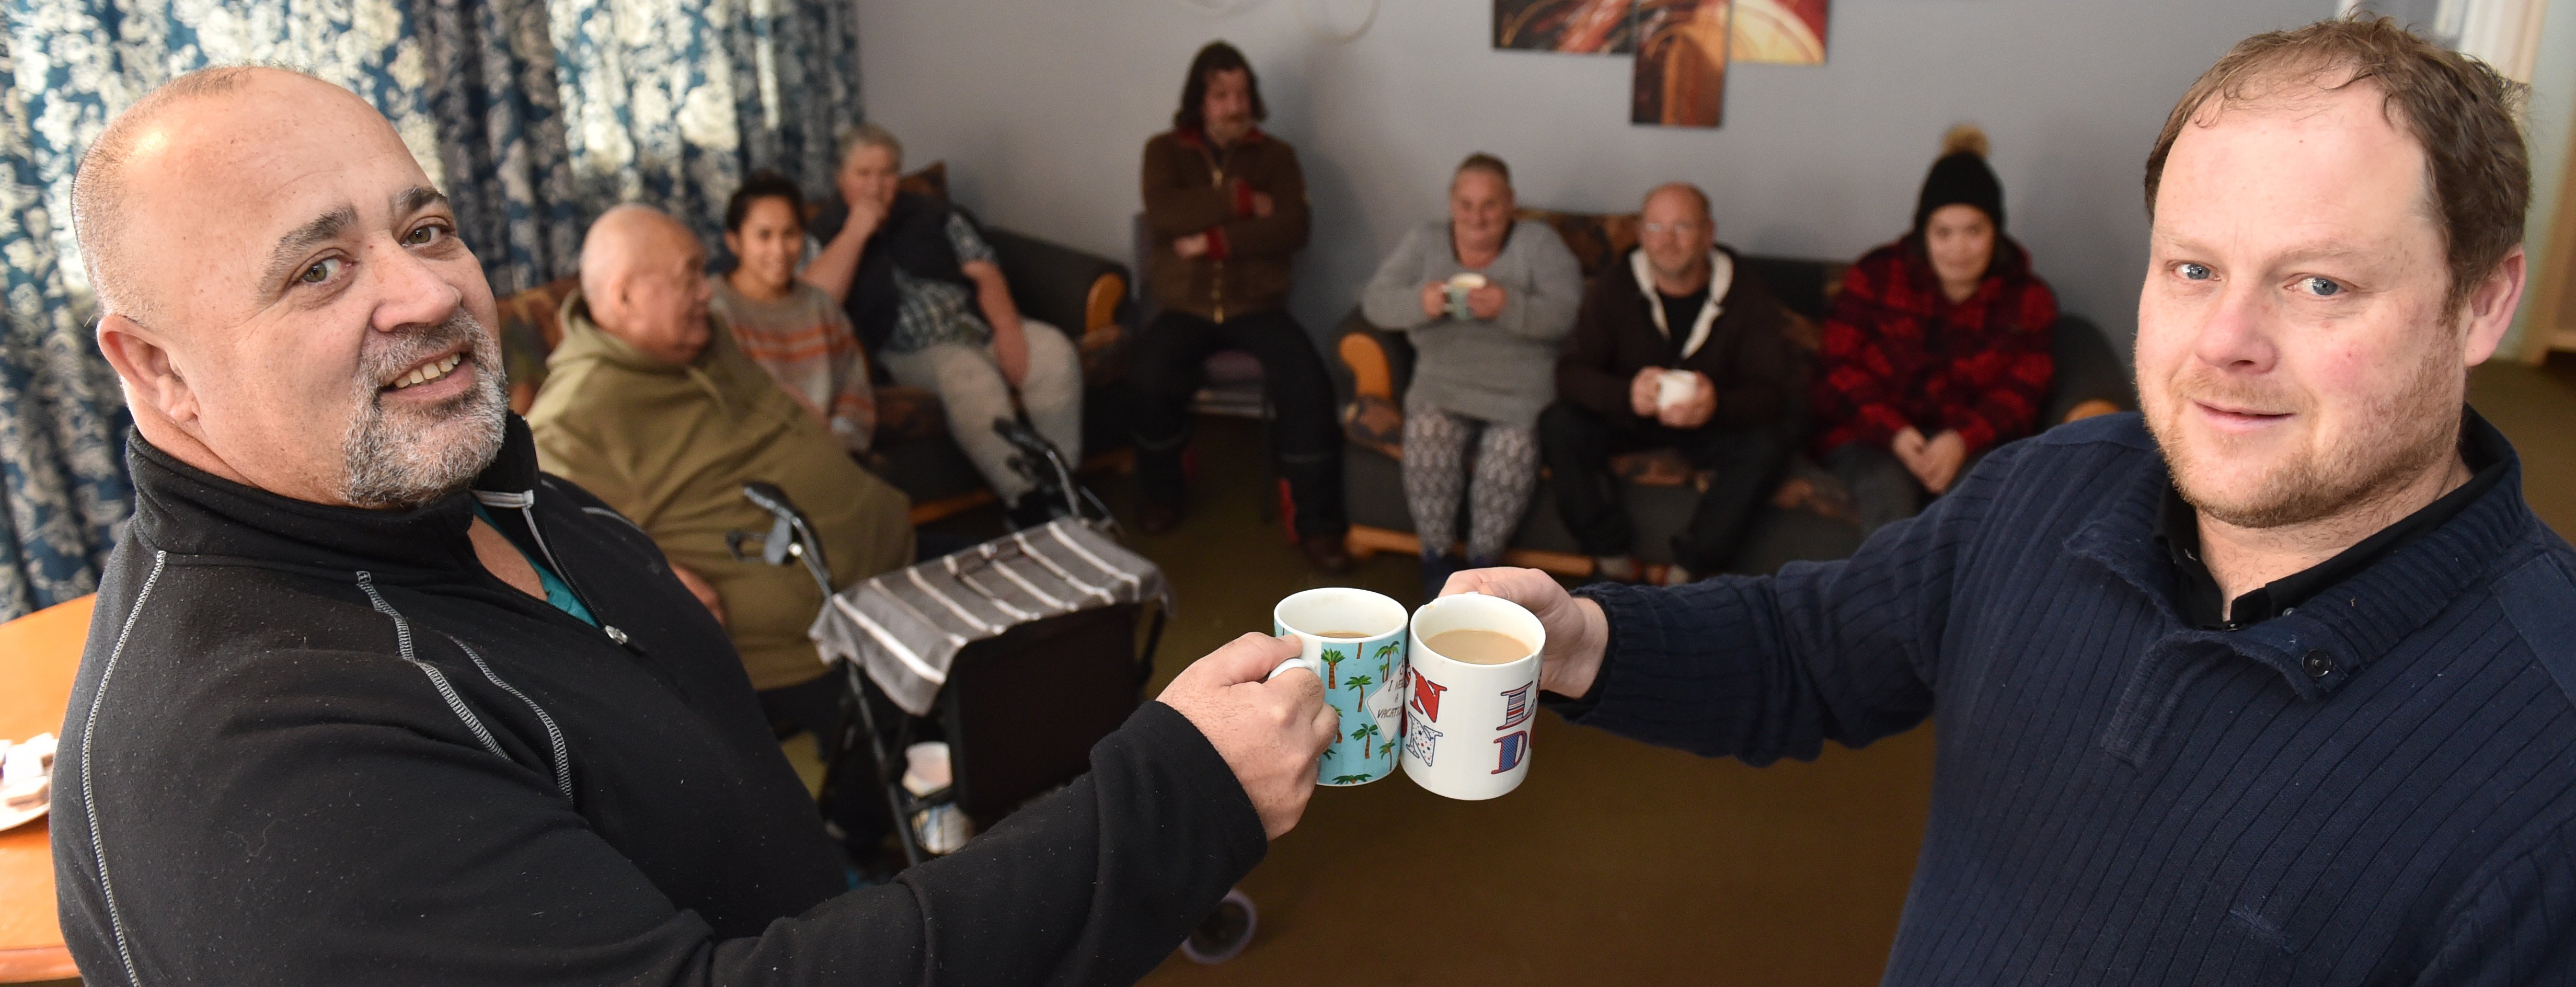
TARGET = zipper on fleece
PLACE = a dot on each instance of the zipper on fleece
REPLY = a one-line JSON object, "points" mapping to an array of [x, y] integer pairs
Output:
{"points": [[526, 504]]}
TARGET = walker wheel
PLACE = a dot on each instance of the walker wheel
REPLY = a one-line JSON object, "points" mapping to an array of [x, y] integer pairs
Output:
{"points": [[1226, 931]]}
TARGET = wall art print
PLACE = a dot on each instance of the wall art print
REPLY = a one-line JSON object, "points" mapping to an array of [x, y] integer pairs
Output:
{"points": [[1681, 60], [1578, 27]]}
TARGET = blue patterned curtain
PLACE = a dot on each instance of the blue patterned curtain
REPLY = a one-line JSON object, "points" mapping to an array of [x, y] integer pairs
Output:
{"points": [[671, 101], [534, 115]]}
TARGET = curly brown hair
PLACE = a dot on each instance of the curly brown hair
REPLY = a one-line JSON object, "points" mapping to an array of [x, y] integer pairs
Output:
{"points": [[1216, 57], [2463, 113]]}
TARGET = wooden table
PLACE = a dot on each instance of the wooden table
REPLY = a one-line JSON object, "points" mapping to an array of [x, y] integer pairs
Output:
{"points": [[39, 653]]}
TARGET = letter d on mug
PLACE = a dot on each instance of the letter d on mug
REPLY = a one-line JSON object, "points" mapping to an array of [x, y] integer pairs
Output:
{"points": [[1353, 640], [1473, 700]]}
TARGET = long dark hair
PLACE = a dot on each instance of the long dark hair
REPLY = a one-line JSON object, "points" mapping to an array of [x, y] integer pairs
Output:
{"points": [[1216, 57]]}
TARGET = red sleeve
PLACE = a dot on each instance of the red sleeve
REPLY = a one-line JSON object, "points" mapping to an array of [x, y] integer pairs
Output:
{"points": [[2006, 382], [1217, 247], [1856, 394], [1242, 199]]}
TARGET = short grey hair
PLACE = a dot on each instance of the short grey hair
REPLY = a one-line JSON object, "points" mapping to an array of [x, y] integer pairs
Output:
{"points": [[98, 183], [870, 135]]}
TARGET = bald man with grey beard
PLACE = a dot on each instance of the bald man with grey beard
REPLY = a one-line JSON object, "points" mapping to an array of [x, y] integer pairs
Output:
{"points": [[370, 698]]}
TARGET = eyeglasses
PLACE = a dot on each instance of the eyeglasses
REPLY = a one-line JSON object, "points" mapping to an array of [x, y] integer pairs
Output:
{"points": [[1682, 228]]}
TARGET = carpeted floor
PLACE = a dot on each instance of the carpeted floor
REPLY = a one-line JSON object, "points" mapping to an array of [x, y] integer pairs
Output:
{"points": [[1616, 863]]}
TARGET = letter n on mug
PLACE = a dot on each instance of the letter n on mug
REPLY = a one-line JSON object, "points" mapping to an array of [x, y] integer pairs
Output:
{"points": [[1426, 697]]}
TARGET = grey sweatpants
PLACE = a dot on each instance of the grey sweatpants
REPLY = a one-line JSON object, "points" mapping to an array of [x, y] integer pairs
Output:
{"points": [[971, 388]]}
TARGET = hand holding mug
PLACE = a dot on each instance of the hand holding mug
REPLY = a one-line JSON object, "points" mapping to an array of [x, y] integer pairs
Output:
{"points": [[1687, 400], [1577, 631], [1269, 732], [1435, 299], [1644, 389]]}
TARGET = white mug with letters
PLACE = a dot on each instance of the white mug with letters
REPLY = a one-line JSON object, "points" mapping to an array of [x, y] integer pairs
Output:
{"points": [[1472, 701]]}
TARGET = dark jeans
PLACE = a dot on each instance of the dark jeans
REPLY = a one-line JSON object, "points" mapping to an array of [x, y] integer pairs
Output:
{"points": [[1167, 366], [1746, 463], [855, 799], [1883, 491]]}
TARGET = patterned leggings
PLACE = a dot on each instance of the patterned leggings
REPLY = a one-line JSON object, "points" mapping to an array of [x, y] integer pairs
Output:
{"points": [[1435, 468]]}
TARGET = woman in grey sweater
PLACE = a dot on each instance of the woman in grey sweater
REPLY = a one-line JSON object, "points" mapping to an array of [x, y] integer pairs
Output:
{"points": [[1486, 301]]}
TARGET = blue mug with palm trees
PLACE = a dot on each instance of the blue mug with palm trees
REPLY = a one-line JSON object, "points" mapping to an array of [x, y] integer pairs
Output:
{"points": [[1354, 641]]}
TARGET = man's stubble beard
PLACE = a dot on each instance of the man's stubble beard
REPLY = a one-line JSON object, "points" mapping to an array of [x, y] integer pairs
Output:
{"points": [[2403, 434], [391, 462]]}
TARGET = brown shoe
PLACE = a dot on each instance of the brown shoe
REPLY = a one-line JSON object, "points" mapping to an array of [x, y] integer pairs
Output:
{"points": [[1157, 519], [1325, 554]]}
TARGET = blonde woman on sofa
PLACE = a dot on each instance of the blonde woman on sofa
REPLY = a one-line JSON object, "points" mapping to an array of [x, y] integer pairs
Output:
{"points": [[1485, 301]]}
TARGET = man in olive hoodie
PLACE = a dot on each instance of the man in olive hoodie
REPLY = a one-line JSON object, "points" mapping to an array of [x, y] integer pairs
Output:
{"points": [[649, 405]]}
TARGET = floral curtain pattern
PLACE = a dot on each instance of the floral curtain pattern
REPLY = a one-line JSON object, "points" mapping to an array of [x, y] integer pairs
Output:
{"points": [[672, 101], [533, 115]]}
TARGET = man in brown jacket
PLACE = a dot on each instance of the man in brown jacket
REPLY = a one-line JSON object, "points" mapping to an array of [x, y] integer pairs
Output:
{"points": [[1676, 345], [1226, 205]]}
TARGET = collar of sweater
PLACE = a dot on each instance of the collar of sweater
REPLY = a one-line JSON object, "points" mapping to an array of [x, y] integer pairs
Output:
{"points": [[585, 342], [188, 511], [2351, 623], [1721, 276]]}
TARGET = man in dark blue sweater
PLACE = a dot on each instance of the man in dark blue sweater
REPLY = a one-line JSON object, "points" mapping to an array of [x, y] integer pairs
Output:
{"points": [[2271, 684]]}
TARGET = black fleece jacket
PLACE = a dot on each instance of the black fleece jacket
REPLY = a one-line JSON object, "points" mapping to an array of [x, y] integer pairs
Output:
{"points": [[318, 745]]}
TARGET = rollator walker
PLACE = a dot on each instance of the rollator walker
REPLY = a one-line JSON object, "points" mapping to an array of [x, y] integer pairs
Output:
{"points": [[1023, 650]]}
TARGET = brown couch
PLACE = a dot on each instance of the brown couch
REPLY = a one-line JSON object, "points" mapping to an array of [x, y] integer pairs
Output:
{"points": [[1809, 516]]}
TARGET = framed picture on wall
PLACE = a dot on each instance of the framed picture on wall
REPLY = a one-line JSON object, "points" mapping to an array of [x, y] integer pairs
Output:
{"points": [[1580, 27], [1682, 51], [1779, 32]]}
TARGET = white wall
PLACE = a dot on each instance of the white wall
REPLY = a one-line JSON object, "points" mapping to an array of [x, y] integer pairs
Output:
{"points": [[2551, 127], [1041, 110]]}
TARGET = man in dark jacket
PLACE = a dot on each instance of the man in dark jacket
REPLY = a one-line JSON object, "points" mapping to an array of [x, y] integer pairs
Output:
{"points": [[926, 296], [369, 699], [2274, 683], [1675, 346], [1225, 206]]}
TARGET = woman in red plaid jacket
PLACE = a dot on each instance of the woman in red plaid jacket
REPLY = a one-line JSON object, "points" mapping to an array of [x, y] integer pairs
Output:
{"points": [[1936, 349]]}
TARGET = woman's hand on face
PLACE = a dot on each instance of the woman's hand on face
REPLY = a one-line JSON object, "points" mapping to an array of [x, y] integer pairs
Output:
{"points": [[865, 216]]}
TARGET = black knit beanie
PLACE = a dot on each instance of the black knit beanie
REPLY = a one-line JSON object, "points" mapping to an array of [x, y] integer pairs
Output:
{"points": [[1961, 177]]}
